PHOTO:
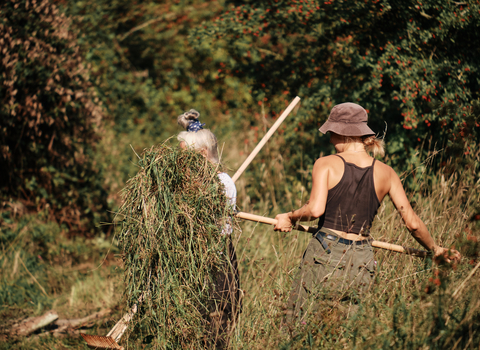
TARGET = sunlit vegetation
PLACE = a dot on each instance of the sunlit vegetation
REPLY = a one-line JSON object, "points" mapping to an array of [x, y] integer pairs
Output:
{"points": [[86, 84]]}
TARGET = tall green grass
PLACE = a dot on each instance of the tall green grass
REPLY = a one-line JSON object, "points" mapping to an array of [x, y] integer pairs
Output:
{"points": [[41, 268], [414, 304]]}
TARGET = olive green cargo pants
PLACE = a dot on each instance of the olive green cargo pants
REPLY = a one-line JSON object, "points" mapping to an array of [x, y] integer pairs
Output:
{"points": [[343, 274]]}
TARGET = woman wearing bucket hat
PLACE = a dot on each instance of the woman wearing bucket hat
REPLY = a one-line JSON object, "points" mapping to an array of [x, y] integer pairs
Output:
{"points": [[347, 189]]}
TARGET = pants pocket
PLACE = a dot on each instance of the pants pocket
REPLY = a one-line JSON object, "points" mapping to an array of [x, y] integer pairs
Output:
{"points": [[330, 269], [365, 270]]}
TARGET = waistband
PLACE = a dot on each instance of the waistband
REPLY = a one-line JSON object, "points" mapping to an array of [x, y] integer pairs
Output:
{"points": [[332, 236]]}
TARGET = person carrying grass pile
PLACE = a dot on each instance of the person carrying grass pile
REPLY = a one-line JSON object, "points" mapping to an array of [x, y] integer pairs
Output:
{"points": [[225, 302], [347, 189]]}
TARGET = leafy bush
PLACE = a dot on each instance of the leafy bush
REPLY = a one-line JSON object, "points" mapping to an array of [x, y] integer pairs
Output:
{"points": [[50, 117], [400, 60], [146, 74]]}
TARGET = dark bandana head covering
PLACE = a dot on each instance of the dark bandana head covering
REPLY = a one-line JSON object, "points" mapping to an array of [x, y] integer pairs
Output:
{"points": [[195, 126], [189, 120]]}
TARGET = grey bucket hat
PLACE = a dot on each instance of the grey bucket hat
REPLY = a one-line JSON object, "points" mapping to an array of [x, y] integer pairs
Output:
{"points": [[347, 119]]}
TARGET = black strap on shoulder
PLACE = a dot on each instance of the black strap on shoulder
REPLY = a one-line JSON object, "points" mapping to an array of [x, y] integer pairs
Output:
{"points": [[340, 157]]}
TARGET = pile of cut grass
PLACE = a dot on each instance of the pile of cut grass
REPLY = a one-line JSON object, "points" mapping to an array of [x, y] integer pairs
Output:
{"points": [[173, 212]]}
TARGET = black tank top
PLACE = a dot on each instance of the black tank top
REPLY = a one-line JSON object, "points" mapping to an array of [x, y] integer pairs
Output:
{"points": [[352, 204]]}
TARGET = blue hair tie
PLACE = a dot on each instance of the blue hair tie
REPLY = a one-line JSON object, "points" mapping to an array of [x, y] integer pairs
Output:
{"points": [[195, 126]]}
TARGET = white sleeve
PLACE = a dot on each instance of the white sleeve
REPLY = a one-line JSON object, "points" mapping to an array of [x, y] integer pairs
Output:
{"points": [[231, 194], [230, 189]]}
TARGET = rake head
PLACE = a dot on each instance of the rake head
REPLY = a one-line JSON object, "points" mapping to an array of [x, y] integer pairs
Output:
{"points": [[100, 342]]}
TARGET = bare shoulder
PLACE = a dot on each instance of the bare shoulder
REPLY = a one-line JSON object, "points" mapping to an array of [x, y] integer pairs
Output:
{"points": [[328, 160], [383, 168], [330, 169], [327, 163], [384, 177]]}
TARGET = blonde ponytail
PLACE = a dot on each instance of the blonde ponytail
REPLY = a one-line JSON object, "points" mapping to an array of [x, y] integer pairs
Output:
{"points": [[374, 145]]}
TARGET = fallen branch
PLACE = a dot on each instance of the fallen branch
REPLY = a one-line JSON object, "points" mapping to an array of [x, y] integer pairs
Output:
{"points": [[32, 324], [63, 324], [52, 324]]}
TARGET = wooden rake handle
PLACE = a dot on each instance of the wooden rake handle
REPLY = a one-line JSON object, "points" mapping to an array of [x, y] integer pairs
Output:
{"points": [[121, 326], [264, 140], [299, 227]]}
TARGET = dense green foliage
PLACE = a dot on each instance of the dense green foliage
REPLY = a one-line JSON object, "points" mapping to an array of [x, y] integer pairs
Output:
{"points": [[147, 74], [49, 116], [83, 81], [401, 60], [412, 66], [145, 71]]}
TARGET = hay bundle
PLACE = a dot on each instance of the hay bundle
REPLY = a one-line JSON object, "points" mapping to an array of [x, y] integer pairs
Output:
{"points": [[173, 213]]}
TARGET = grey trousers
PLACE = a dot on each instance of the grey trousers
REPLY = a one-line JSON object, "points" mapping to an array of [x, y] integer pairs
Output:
{"points": [[343, 274]]}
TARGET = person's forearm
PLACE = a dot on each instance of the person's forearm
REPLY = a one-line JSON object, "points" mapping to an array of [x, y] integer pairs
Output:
{"points": [[302, 214], [423, 237]]}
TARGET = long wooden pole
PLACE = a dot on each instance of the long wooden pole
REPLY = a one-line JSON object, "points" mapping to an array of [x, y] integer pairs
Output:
{"points": [[265, 138], [298, 227]]}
